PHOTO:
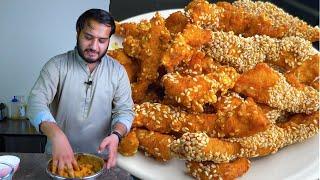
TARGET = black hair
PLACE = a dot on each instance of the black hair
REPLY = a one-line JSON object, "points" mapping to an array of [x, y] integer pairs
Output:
{"points": [[98, 15]]}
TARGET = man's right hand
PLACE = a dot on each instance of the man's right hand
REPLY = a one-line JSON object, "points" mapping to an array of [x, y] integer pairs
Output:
{"points": [[62, 156], [62, 153]]}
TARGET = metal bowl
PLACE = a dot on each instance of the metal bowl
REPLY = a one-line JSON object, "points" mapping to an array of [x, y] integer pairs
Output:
{"points": [[91, 158]]}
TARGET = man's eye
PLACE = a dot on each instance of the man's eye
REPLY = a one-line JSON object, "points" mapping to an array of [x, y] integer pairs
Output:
{"points": [[103, 40], [88, 37]]}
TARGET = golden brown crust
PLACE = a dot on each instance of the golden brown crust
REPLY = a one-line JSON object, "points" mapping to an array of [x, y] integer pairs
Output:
{"points": [[129, 144], [249, 18], [267, 86], [176, 22], [165, 119], [130, 65], [184, 45], [199, 147], [279, 18], [126, 29], [210, 170], [155, 144], [255, 83], [242, 119], [245, 53], [307, 74], [219, 125], [193, 92]]}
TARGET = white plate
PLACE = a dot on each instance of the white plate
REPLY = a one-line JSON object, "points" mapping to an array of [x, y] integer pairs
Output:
{"points": [[14, 161], [295, 162]]}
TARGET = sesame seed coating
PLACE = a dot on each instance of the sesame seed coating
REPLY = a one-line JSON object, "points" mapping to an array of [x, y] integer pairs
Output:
{"points": [[245, 53], [268, 86], [199, 147], [274, 115], [129, 144], [295, 26], [155, 144], [238, 117], [242, 119], [307, 74], [249, 18], [192, 69], [210, 170], [285, 97], [166, 119], [195, 91], [184, 45]]}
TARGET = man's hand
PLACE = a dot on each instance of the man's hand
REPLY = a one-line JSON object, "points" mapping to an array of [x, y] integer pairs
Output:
{"points": [[62, 153], [111, 142]]}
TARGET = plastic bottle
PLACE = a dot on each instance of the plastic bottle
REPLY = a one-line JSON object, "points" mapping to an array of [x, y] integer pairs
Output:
{"points": [[22, 107], [2, 108], [14, 108]]}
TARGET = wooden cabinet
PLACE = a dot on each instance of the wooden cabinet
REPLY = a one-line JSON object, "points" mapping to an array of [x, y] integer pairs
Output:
{"points": [[23, 143], [21, 137]]}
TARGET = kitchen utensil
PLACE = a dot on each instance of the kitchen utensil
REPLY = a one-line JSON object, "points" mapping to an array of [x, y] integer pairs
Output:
{"points": [[92, 158], [6, 171]]}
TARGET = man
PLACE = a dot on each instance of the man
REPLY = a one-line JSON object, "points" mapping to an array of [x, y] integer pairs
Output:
{"points": [[82, 95]]}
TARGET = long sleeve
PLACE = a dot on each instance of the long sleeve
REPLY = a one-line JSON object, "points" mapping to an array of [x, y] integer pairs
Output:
{"points": [[122, 110], [42, 94]]}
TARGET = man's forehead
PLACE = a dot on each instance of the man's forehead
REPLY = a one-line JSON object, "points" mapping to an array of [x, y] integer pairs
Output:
{"points": [[92, 23]]}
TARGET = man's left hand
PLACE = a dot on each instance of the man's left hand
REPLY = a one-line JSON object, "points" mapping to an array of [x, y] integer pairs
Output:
{"points": [[111, 142]]}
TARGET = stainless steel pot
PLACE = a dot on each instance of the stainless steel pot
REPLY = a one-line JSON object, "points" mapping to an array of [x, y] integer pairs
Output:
{"points": [[92, 157]]}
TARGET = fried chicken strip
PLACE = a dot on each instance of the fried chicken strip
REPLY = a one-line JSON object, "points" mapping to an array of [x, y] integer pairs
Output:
{"points": [[128, 29], [249, 18], [210, 170], [267, 86], [280, 18], [297, 128], [307, 74], [176, 22], [165, 119], [130, 65], [152, 143], [245, 53], [155, 144], [243, 118], [238, 117], [199, 147], [183, 46], [139, 90], [272, 114], [198, 64], [223, 16], [129, 144], [148, 47], [193, 92]]}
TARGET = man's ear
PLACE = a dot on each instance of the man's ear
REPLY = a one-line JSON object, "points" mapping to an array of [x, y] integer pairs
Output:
{"points": [[77, 34]]}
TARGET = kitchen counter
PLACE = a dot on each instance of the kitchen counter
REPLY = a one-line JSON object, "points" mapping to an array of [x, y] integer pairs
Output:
{"points": [[17, 127], [32, 166]]}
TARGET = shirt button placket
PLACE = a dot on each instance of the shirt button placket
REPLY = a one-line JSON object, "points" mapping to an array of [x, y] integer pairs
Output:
{"points": [[88, 98]]}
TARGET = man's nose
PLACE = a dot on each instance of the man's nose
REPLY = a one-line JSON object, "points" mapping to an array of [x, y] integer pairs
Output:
{"points": [[94, 44]]}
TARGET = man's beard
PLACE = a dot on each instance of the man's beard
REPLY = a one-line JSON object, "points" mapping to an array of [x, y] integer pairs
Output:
{"points": [[90, 61]]}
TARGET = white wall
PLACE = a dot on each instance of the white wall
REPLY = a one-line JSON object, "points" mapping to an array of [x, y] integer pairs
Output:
{"points": [[31, 32]]}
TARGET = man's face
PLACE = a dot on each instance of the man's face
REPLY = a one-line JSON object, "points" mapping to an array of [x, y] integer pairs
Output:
{"points": [[93, 41]]}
